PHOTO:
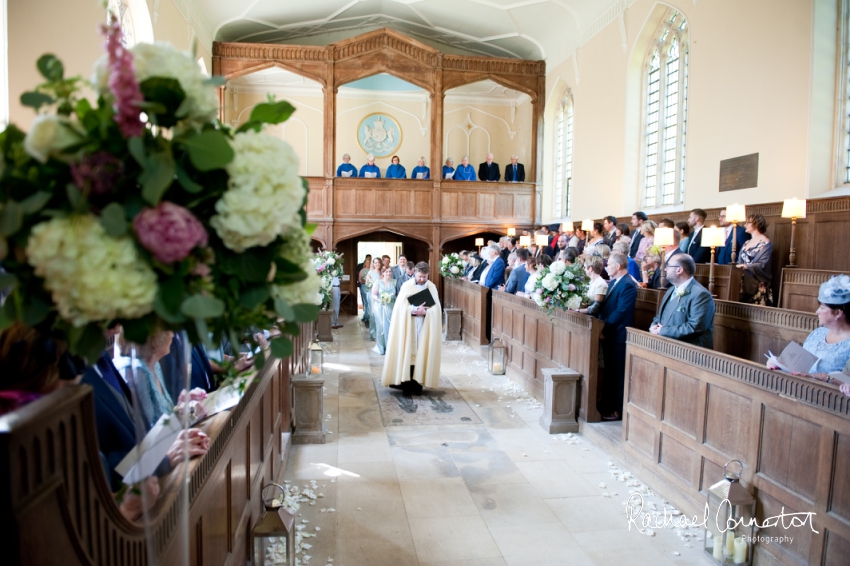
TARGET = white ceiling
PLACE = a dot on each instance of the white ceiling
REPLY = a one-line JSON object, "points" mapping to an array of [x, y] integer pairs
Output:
{"points": [[526, 29]]}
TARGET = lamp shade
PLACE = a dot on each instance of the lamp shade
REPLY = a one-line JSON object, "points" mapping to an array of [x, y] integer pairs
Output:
{"points": [[479, 241], [587, 225], [663, 237], [525, 241], [794, 208], [567, 227], [541, 239], [736, 213], [511, 232], [713, 236]]}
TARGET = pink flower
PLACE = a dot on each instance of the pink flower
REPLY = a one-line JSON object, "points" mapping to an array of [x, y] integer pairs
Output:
{"points": [[169, 231], [97, 173], [202, 270], [123, 83]]}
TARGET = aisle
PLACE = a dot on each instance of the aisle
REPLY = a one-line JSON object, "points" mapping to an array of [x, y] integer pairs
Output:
{"points": [[502, 492]]}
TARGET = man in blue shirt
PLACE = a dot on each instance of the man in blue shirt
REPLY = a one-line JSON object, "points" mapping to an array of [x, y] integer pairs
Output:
{"points": [[420, 169], [346, 169], [370, 167], [465, 171]]}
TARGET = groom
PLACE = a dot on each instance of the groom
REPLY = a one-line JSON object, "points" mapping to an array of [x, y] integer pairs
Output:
{"points": [[414, 341]]}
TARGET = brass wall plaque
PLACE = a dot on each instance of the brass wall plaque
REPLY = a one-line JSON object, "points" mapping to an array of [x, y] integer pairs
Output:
{"points": [[739, 173]]}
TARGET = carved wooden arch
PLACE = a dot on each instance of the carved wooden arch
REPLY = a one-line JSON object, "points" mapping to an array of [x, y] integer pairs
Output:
{"points": [[471, 232], [382, 228], [453, 79], [343, 75], [324, 244], [280, 65]]}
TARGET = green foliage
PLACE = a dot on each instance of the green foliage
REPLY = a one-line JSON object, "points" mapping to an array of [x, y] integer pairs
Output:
{"points": [[209, 150], [163, 97], [114, 220], [267, 113], [50, 67]]}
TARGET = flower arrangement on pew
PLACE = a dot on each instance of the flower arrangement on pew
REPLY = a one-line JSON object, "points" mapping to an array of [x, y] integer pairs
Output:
{"points": [[451, 266], [328, 265], [560, 286], [142, 209]]}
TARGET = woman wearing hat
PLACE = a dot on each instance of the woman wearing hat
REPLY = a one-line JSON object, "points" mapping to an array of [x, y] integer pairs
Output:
{"points": [[831, 341]]}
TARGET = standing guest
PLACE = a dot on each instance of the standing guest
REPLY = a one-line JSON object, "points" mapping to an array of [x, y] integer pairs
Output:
{"points": [[595, 237], [618, 313], [420, 171], [489, 171], [385, 260], [449, 169], [495, 273], [638, 218], [362, 272], [335, 300], [754, 259], [519, 274], [465, 171], [598, 287], [651, 270], [581, 241], [696, 220], [409, 267], [405, 272], [569, 256], [371, 279], [684, 230], [623, 231], [399, 270], [515, 172], [346, 169], [370, 170], [687, 309], [724, 254], [383, 299], [633, 267], [482, 264], [396, 170], [655, 265], [648, 231], [609, 226], [534, 250]]}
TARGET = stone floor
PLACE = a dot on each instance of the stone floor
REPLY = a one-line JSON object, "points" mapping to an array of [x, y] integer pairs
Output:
{"points": [[501, 493]]}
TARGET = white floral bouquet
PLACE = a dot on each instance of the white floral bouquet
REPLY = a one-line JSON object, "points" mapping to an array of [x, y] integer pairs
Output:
{"points": [[328, 265], [143, 209], [560, 286], [451, 266], [386, 298]]}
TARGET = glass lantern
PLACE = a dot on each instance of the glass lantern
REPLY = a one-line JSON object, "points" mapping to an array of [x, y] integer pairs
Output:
{"points": [[730, 528], [498, 358], [274, 535], [316, 358]]}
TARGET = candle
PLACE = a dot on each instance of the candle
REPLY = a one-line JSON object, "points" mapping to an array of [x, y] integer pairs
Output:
{"points": [[497, 367], [740, 555], [718, 548], [315, 369], [730, 544]]}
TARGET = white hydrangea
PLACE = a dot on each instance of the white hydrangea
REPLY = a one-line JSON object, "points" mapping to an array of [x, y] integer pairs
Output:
{"points": [[538, 298], [558, 267], [574, 302], [90, 275], [550, 282], [164, 60], [301, 292], [264, 192], [331, 261], [445, 259], [455, 270]]}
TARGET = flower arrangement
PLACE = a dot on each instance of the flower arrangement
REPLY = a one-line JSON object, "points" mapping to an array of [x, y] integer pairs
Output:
{"points": [[142, 209], [328, 265], [560, 286], [386, 298], [451, 266]]}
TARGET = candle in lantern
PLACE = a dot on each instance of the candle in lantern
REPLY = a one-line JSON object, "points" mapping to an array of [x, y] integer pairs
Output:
{"points": [[497, 367], [730, 544], [718, 548], [315, 369], [740, 554]]}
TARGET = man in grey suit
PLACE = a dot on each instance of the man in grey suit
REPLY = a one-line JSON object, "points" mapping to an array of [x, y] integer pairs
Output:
{"points": [[687, 309], [400, 272]]}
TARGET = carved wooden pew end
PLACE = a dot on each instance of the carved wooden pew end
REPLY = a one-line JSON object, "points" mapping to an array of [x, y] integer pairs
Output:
{"points": [[323, 327], [452, 324], [309, 410], [560, 390]]}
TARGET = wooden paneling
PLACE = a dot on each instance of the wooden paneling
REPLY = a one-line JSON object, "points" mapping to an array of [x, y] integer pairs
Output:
{"points": [[535, 342], [471, 298], [500, 203], [793, 435], [800, 288]]}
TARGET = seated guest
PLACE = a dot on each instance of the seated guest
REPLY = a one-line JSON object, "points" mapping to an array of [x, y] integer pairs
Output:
{"points": [[531, 280], [515, 172], [154, 397], [494, 274], [684, 230], [831, 341], [346, 169], [687, 309], [569, 256], [396, 169], [370, 170], [724, 254], [449, 169], [648, 231], [420, 171], [754, 260], [465, 171], [480, 265], [489, 171], [598, 287], [519, 274]]}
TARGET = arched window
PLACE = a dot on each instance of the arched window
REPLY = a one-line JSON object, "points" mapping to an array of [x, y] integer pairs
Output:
{"points": [[564, 155], [665, 113], [134, 18], [843, 106]]}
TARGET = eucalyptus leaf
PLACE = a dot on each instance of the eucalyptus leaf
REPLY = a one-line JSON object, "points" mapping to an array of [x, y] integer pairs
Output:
{"points": [[254, 296], [35, 202], [272, 112], [50, 67], [171, 292], [203, 332], [282, 347], [156, 177], [259, 360], [35, 310], [11, 218], [305, 312], [202, 306], [209, 150], [167, 92], [36, 99], [136, 147], [114, 220], [283, 309], [138, 329], [162, 311], [83, 108], [291, 329], [186, 181], [87, 341]]}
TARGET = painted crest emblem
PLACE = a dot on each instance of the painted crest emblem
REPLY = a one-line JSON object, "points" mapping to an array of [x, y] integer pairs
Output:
{"points": [[379, 135]]}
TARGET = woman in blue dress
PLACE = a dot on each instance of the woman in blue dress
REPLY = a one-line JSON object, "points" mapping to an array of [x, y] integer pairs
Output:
{"points": [[154, 398], [449, 168], [383, 300], [372, 279], [396, 170]]}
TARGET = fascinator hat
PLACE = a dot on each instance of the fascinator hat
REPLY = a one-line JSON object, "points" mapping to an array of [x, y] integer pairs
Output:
{"points": [[835, 291]]}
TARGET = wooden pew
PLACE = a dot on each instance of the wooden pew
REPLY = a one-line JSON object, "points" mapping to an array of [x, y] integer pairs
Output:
{"points": [[799, 288], [534, 342], [646, 306], [727, 280], [58, 508], [689, 410], [472, 300]]}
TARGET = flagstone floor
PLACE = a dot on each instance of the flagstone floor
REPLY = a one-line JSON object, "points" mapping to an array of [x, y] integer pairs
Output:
{"points": [[499, 493]]}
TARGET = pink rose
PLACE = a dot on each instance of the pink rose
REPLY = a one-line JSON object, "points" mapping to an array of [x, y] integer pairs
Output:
{"points": [[169, 231]]}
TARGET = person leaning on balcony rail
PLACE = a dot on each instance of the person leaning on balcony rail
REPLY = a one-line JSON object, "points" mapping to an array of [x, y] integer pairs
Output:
{"points": [[396, 170], [346, 169], [370, 170]]}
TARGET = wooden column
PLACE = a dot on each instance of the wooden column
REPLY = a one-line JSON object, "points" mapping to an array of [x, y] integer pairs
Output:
{"points": [[330, 117], [437, 100], [538, 110]]}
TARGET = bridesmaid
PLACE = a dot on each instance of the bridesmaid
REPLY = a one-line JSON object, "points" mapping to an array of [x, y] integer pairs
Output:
{"points": [[383, 300], [372, 279]]}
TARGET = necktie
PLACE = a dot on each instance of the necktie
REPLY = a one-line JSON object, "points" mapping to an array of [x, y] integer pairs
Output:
{"points": [[107, 370], [514, 172]]}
